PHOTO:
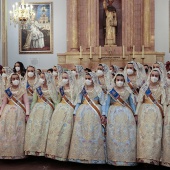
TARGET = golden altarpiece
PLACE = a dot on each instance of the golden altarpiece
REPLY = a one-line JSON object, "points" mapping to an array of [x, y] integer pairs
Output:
{"points": [[86, 33]]}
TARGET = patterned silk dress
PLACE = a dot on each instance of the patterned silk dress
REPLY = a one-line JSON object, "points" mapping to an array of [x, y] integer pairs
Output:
{"points": [[12, 128], [150, 123], [121, 132], [166, 132], [38, 125], [87, 143], [60, 131]]}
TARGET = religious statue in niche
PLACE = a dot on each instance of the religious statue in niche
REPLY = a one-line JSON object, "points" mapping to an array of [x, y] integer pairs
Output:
{"points": [[110, 23]]}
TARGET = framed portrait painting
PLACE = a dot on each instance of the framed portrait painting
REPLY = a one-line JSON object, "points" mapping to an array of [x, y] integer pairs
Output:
{"points": [[37, 35]]}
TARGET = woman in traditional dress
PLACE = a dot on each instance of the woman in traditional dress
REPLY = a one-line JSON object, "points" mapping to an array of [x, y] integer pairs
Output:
{"points": [[114, 69], [61, 124], [162, 68], [4, 81], [44, 101], [104, 76], [30, 82], [19, 69], [121, 125], [14, 113], [87, 143], [166, 129], [150, 114], [57, 75], [136, 77]]}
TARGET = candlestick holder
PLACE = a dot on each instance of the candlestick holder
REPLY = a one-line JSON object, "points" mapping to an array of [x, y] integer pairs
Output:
{"points": [[80, 58], [133, 58], [100, 58], [143, 60], [123, 60], [90, 58], [110, 54]]}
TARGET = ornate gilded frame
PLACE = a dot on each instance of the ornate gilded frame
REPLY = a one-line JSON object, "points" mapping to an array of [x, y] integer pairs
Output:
{"points": [[24, 33]]}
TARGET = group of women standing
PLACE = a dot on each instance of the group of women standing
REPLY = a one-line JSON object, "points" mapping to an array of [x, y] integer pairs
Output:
{"points": [[87, 117]]}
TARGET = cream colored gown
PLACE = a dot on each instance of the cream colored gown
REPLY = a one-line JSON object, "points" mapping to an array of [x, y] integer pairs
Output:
{"points": [[166, 133], [150, 124], [38, 126], [60, 131], [121, 132], [87, 143], [12, 129]]}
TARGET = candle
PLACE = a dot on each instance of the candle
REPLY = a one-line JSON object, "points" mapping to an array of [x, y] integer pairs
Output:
{"points": [[13, 6], [10, 12], [100, 52], [143, 52], [133, 51], [81, 52], [16, 4], [90, 52], [31, 8], [123, 52]]}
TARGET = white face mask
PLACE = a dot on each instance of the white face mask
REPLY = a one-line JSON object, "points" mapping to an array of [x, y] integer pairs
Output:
{"points": [[119, 83], [154, 79], [4, 75], [64, 81], [55, 73], [74, 72], [30, 74], [41, 81], [15, 82], [110, 71], [99, 73], [17, 68], [129, 71], [88, 82]]}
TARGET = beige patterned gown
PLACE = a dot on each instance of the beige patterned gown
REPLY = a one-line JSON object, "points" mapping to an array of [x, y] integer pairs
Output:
{"points": [[166, 133], [60, 131], [149, 134], [12, 129], [38, 126], [87, 143], [121, 132], [30, 96]]}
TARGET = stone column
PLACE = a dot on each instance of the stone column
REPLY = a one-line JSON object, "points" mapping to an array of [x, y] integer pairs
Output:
{"points": [[4, 33], [74, 25], [94, 23], [92, 20], [147, 22], [132, 38], [89, 24]]}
